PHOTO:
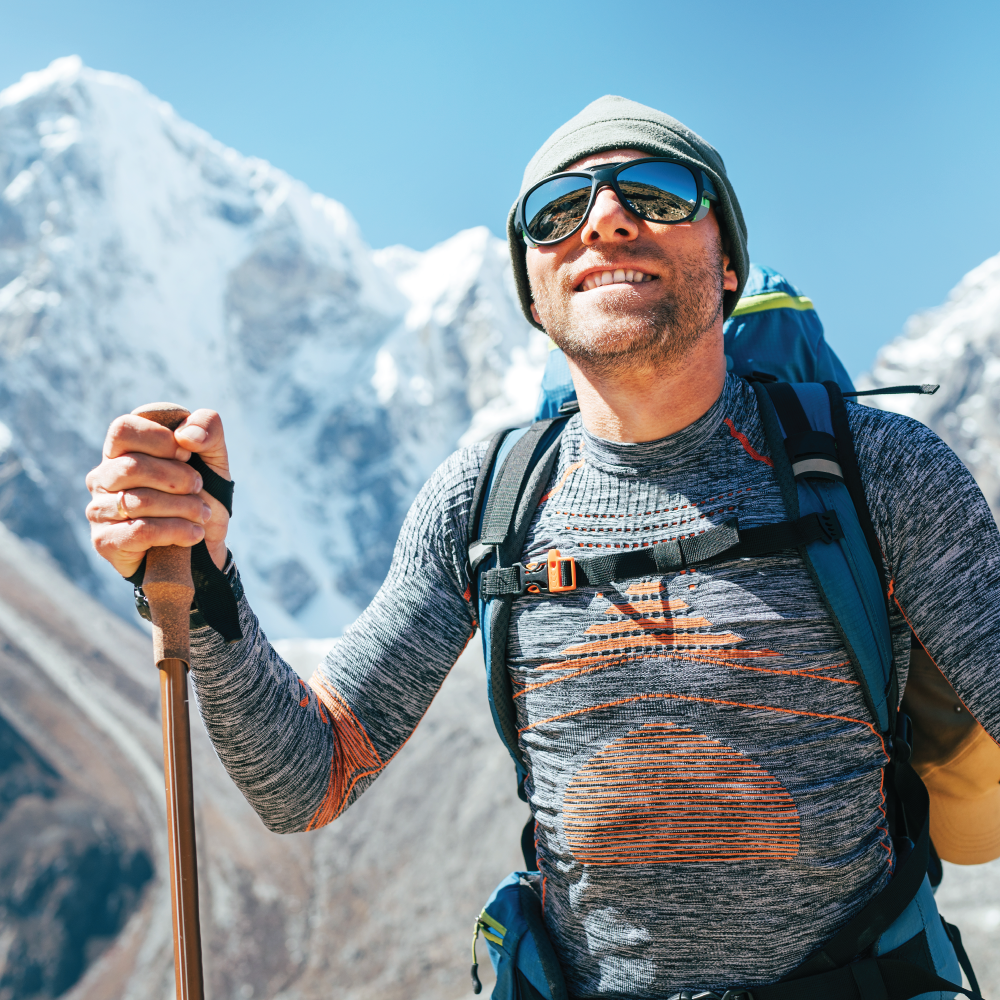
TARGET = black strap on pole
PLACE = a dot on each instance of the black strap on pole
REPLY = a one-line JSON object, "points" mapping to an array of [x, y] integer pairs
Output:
{"points": [[213, 596]]}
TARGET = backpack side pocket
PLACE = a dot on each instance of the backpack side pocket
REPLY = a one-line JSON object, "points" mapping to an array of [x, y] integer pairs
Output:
{"points": [[520, 950]]}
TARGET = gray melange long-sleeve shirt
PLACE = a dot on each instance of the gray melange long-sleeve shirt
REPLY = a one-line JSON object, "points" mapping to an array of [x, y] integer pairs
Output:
{"points": [[705, 776]]}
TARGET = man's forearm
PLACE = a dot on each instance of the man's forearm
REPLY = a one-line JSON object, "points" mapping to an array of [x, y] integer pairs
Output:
{"points": [[266, 724]]}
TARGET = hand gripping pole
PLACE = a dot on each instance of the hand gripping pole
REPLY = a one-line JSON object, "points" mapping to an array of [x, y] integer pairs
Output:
{"points": [[169, 589]]}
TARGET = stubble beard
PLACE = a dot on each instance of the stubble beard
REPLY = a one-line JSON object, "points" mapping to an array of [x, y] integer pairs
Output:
{"points": [[614, 341]]}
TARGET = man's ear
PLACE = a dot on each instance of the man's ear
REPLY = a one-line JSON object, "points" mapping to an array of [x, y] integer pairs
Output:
{"points": [[537, 318], [730, 280]]}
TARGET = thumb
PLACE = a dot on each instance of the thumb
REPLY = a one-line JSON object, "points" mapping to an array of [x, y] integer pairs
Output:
{"points": [[202, 433]]}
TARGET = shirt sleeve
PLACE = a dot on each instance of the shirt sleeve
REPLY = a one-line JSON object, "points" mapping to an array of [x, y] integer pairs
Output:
{"points": [[942, 551], [302, 752]]}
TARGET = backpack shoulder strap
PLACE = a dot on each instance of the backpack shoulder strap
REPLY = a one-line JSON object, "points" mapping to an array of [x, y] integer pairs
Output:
{"points": [[813, 451], [507, 492], [855, 487], [799, 428]]}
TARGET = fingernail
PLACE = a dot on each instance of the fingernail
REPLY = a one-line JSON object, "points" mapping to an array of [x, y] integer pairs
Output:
{"points": [[195, 434], [198, 484], [206, 512]]}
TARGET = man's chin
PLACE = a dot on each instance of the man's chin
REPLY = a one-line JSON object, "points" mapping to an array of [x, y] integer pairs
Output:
{"points": [[603, 329], [610, 341]]}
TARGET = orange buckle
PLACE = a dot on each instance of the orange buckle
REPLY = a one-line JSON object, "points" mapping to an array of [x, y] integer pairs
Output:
{"points": [[554, 576], [562, 572]]}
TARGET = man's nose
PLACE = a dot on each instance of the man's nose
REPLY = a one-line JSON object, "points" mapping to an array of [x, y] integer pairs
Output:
{"points": [[609, 221]]}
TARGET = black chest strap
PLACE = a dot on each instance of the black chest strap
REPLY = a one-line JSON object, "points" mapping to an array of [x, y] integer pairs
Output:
{"points": [[724, 541]]}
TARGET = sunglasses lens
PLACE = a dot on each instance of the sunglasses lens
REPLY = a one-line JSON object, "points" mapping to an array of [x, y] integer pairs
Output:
{"points": [[555, 209], [662, 192]]}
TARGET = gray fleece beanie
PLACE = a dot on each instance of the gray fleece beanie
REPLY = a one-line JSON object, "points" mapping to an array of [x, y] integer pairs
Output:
{"points": [[616, 123]]}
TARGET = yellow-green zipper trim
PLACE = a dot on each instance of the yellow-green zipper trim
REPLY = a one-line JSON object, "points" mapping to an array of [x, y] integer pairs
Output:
{"points": [[771, 300]]}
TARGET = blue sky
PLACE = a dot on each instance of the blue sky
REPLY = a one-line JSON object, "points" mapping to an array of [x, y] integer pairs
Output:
{"points": [[862, 138]]}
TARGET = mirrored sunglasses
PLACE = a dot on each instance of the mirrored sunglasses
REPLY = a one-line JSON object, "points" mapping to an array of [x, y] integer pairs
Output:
{"points": [[654, 189]]}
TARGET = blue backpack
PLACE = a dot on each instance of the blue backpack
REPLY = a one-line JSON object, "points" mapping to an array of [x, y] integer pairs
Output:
{"points": [[897, 947]]}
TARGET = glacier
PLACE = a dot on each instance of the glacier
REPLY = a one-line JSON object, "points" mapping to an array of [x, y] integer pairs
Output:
{"points": [[140, 259]]}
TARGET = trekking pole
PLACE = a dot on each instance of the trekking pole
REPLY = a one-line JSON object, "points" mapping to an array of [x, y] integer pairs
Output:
{"points": [[169, 589]]}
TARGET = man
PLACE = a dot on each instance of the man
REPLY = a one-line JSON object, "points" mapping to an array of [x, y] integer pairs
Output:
{"points": [[644, 703]]}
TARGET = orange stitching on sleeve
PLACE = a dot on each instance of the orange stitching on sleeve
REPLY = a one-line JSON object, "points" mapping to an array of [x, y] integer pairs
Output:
{"points": [[747, 447], [305, 700], [354, 755]]}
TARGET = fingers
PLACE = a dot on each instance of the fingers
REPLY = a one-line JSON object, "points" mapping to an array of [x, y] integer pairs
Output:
{"points": [[202, 433], [133, 470], [124, 525], [143, 494], [108, 508], [130, 433], [124, 543]]}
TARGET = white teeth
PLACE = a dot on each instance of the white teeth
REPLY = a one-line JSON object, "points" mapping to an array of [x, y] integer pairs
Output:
{"points": [[618, 276]]}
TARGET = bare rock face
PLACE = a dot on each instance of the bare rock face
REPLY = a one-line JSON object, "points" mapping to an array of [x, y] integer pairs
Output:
{"points": [[69, 878], [380, 904]]}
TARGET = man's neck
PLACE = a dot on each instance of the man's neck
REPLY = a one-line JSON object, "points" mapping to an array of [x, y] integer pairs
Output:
{"points": [[649, 403]]}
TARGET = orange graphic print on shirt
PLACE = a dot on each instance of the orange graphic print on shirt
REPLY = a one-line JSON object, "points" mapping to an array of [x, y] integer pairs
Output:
{"points": [[664, 793], [649, 627]]}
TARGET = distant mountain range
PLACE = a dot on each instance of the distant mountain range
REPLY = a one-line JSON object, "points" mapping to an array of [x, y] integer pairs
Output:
{"points": [[140, 260]]}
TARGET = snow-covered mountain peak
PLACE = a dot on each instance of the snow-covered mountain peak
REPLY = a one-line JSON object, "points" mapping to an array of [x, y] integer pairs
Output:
{"points": [[141, 259], [66, 68], [956, 345]]}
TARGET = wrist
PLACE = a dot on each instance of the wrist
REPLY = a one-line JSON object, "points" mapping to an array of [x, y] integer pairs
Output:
{"points": [[219, 553], [197, 619]]}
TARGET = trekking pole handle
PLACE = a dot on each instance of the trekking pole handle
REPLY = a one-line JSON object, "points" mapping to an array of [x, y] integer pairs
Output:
{"points": [[167, 581]]}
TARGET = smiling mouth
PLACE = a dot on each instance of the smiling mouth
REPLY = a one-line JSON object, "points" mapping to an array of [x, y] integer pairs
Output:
{"points": [[621, 276]]}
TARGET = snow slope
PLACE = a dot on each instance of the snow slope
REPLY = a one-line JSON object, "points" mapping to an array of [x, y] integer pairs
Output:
{"points": [[140, 260], [956, 345]]}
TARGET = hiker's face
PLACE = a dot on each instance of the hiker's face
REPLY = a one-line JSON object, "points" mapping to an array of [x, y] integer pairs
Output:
{"points": [[624, 322]]}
